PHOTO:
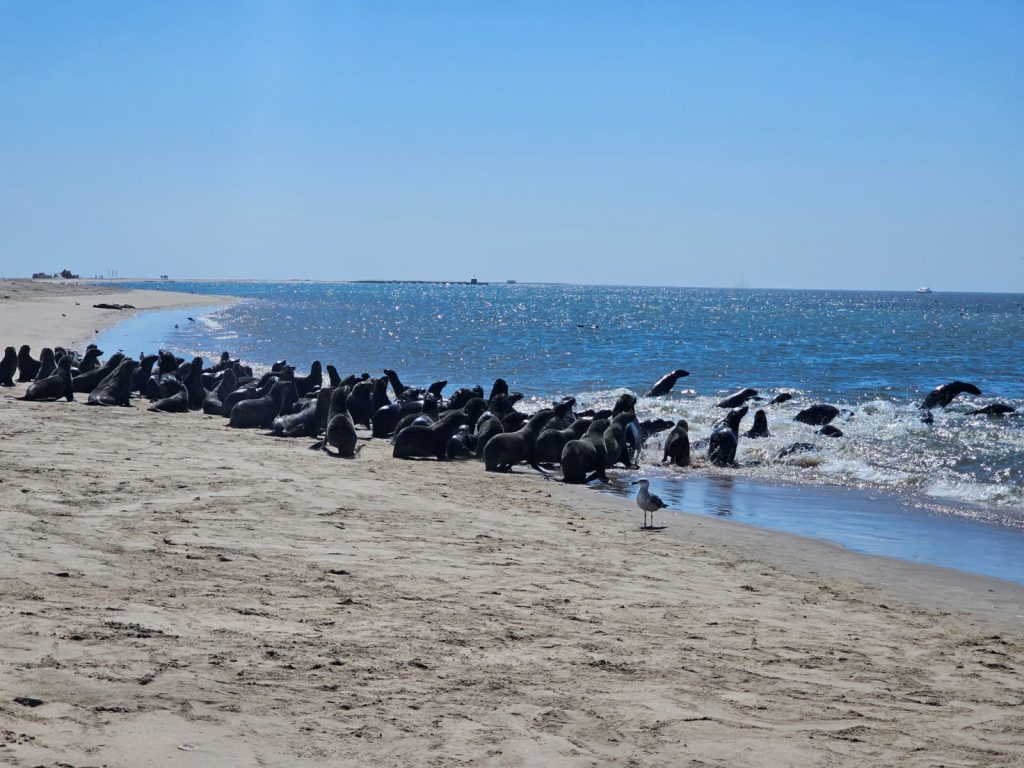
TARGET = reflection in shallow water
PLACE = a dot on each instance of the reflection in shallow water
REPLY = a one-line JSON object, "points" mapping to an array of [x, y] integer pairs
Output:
{"points": [[873, 522]]}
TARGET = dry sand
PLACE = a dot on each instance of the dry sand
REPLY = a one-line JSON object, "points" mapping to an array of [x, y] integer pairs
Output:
{"points": [[177, 593]]}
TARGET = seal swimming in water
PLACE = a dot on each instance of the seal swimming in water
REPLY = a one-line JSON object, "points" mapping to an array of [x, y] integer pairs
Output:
{"points": [[817, 415], [664, 385], [8, 367], [943, 395], [53, 387], [725, 438], [504, 451], [116, 388], [677, 445], [583, 460], [28, 366], [760, 428], [421, 441], [795, 448], [830, 431], [995, 409], [780, 398], [736, 399]]}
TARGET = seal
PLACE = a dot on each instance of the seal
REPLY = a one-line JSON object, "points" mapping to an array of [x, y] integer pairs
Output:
{"points": [[551, 441], [499, 388], [116, 388], [664, 385], [87, 382], [360, 403], [616, 445], [510, 448], [943, 395], [8, 367], [725, 438], [304, 385], [213, 403], [462, 396], [425, 416], [379, 396], [817, 415], [795, 448], [995, 409], [422, 441], [341, 432], [28, 366], [583, 460], [174, 402], [760, 428], [830, 431], [491, 422], [249, 392], [192, 378], [91, 360], [783, 397], [310, 421], [259, 411], [48, 364], [290, 402], [736, 399], [53, 387], [141, 374], [396, 383], [677, 445], [462, 444]]}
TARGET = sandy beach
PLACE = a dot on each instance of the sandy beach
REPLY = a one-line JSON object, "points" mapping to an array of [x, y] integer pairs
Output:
{"points": [[46, 313], [177, 593]]}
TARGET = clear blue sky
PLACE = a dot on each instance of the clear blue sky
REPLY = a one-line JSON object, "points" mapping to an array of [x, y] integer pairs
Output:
{"points": [[763, 144]]}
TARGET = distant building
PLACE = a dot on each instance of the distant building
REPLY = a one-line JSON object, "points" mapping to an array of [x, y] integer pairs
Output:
{"points": [[41, 276]]}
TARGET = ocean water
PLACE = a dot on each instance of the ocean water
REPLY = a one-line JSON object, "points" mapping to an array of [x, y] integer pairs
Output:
{"points": [[876, 354]]}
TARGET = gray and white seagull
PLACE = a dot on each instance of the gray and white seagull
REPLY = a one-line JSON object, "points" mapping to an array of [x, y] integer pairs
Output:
{"points": [[648, 502]]}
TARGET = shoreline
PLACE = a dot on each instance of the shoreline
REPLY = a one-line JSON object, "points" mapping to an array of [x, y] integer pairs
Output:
{"points": [[53, 312], [173, 582], [864, 530]]}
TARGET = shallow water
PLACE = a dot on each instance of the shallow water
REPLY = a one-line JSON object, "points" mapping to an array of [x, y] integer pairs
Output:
{"points": [[876, 354]]}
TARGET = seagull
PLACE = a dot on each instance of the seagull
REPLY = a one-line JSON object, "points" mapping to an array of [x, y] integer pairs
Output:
{"points": [[648, 502]]}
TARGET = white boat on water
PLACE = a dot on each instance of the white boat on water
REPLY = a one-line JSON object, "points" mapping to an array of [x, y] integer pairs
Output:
{"points": [[924, 289]]}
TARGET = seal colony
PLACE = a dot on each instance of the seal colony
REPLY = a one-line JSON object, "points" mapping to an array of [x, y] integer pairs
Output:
{"points": [[192, 579], [421, 423]]}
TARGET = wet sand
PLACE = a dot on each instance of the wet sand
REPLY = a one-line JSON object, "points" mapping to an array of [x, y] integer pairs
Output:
{"points": [[177, 593]]}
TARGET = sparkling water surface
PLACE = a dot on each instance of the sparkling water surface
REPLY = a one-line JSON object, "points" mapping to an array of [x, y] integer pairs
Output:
{"points": [[875, 353]]}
